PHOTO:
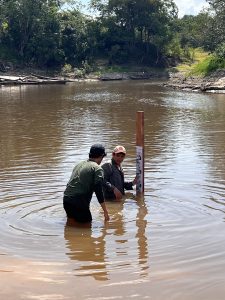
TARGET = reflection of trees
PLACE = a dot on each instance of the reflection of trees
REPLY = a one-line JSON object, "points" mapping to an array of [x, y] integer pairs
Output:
{"points": [[88, 251]]}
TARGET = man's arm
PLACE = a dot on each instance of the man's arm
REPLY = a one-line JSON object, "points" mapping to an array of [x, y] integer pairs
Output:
{"points": [[107, 168], [129, 185], [106, 215], [99, 194]]}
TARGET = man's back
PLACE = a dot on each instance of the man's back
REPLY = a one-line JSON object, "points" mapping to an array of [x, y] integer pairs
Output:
{"points": [[84, 176]]}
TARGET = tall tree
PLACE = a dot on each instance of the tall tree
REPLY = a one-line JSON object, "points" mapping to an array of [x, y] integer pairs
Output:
{"points": [[193, 30], [31, 27], [74, 36], [142, 25], [216, 27]]}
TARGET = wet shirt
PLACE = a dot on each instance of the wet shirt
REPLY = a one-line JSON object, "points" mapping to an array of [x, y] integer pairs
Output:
{"points": [[85, 176]]}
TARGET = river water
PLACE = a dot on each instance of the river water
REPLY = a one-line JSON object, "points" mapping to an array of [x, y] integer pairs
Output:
{"points": [[168, 245]]}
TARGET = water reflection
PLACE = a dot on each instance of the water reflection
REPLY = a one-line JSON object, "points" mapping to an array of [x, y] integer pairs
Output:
{"points": [[88, 251], [141, 223], [177, 230], [103, 253]]}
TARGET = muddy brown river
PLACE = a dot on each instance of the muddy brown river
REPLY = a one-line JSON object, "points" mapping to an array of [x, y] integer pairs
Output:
{"points": [[168, 245]]}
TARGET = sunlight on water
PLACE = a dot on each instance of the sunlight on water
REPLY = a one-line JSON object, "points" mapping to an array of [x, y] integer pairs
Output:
{"points": [[168, 245]]}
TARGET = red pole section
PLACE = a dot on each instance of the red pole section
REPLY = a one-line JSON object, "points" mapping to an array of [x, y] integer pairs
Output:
{"points": [[140, 152]]}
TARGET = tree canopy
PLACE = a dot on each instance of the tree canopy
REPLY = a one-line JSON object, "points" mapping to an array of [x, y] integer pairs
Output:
{"points": [[136, 29], [51, 33]]}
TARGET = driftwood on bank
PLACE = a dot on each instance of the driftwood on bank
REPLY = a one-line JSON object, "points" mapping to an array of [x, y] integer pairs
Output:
{"points": [[215, 83], [31, 79]]}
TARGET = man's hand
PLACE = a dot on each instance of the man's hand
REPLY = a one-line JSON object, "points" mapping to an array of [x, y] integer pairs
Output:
{"points": [[134, 181], [106, 215], [117, 194]]}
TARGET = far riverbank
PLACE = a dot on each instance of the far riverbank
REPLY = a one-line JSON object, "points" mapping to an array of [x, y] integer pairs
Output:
{"points": [[215, 83], [37, 76]]}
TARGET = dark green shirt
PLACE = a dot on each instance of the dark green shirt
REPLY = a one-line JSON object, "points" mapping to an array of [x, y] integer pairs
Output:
{"points": [[84, 177]]}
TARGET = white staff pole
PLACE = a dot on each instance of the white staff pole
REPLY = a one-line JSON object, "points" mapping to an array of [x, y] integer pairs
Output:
{"points": [[140, 152]]}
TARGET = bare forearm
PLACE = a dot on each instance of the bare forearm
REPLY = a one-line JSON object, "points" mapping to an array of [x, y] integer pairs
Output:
{"points": [[106, 215]]}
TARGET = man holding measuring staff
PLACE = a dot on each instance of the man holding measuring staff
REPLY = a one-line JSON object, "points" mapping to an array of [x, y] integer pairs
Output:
{"points": [[114, 183]]}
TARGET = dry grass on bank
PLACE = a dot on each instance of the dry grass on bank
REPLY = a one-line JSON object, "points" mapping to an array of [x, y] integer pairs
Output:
{"points": [[198, 56]]}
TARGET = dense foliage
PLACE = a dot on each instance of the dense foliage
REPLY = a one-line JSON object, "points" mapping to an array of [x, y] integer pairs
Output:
{"points": [[54, 33], [136, 30]]}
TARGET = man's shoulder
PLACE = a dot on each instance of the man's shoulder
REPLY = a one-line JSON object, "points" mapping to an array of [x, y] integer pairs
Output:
{"points": [[107, 167], [88, 165], [107, 163], [93, 165]]}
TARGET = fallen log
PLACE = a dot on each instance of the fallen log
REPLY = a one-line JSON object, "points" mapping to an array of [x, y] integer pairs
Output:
{"points": [[41, 76], [22, 80]]}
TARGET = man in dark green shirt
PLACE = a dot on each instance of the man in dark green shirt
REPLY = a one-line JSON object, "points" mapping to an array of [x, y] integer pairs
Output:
{"points": [[86, 178]]}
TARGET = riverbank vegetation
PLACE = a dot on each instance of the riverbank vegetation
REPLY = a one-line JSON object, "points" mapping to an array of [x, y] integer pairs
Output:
{"points": [[56, 35]]}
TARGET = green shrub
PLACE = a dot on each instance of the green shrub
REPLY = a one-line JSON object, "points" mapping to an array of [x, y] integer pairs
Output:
{"points": [[67, 68], [220, 51], [208, 65], [211, 63], [87, 68]]}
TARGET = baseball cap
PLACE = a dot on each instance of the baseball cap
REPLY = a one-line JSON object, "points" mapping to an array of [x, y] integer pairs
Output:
{"points": [[119, 149], [97, 150]]}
